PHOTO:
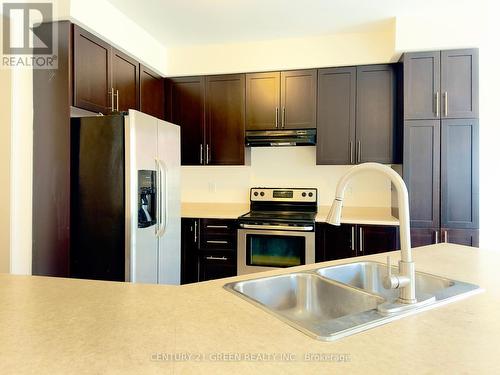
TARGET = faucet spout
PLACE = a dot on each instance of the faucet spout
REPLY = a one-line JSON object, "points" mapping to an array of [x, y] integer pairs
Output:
{"points": [[406, 265]]}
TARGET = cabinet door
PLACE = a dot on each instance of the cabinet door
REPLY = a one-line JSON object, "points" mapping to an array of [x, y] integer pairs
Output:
{"points": [[424, 236], [421, 171], [375, 114], [92, 72], [125, 81], [336, 116], [225, 120], [186, 98], [421, 85], [467, 237], [190, 234], [459, 174], [216, 266], [374, 239], [152, 99], [338, 241], [298, 99], [459, 83], [262, 101]]}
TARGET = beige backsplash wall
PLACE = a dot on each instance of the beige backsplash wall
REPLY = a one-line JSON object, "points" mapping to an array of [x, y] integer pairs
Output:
{"points": [[281, 167]]}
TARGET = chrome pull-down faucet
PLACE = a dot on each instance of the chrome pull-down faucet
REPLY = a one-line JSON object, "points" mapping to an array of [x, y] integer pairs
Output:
{"points": [[405, 280]]}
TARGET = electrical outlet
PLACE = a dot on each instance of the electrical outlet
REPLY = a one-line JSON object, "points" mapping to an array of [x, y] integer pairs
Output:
{"points": [[212, 187]]}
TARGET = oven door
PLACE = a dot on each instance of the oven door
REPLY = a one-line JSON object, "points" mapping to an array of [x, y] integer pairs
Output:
{"points": [[262, 250]]}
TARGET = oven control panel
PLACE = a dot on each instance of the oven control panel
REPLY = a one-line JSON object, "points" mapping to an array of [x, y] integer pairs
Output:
{"points": [[283, 195]]}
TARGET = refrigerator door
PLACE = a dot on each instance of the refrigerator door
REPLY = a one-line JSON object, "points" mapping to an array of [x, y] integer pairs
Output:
{"points": [[170, 218], [141, 258]]}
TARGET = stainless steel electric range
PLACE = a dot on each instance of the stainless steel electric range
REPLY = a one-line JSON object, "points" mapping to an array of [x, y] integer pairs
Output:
{"points": [[279, 229]]}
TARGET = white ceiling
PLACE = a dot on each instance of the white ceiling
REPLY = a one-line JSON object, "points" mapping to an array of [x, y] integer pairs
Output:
{"points": [[180, 22]]}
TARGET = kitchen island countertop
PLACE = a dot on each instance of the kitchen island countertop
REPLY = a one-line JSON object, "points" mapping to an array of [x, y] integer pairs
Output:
{"points": [[62, 326]]}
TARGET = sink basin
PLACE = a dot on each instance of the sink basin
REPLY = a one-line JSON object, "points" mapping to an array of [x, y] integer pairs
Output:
{"points": [[368, 276], [306, 301], [337, 301]]}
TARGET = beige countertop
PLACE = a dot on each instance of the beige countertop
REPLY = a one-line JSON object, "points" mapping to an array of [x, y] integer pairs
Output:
{"points": [[350, 215], [64, 326]]}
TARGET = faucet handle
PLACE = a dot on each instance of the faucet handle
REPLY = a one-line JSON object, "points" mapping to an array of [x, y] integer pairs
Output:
{"points": [[390, 281]]}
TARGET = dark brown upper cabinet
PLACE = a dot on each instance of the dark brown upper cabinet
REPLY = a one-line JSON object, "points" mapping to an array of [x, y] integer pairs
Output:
{"points": [[281, 100], [263, 101], [298, 99], [186, 108], [225, 120], [125, 82], [211, 113], [376, 121], [357, 119], [422, 71], [152, 90], [92, 72], [421, 171], [460, 174], [459, 83], [441, 84], [336, 131]]}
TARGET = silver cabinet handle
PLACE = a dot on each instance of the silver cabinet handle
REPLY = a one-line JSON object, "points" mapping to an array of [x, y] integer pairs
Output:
{"points": [[112, 93], [446, 105], [352, 239], [117, 99], [283, 117], [437, 103], [207, 157], [351, 157], [436, 236], [218, 241], [445, 236], [358, 149], [276, 118], [217, 226], [195, 231], [201, 153], [361, 240], [215, 258]]}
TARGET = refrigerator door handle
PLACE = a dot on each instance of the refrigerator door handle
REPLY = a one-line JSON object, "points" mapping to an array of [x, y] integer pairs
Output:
{"points": [[163, 194], [158, 198]]}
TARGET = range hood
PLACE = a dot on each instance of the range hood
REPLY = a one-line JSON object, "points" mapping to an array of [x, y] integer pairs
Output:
{"points": [[266, 138]]}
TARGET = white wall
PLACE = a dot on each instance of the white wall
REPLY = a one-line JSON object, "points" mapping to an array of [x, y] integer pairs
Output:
{"points": [[322, 51], [5, 116], [281, 167]]}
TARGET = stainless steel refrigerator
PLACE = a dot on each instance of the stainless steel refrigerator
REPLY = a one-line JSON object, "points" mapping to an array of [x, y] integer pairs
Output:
{"points": [[125, 199]]}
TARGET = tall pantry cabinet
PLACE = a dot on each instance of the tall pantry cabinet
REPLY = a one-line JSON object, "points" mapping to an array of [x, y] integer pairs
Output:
{"points": [[441, 141]]}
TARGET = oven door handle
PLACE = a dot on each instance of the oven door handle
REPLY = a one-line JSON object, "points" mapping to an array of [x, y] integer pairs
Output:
{"points": [[306, 228]]}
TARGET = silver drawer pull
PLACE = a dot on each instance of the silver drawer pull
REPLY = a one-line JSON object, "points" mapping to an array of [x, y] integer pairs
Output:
{"points": [[218, 226], [217, 241], [215, 258], [307, 228]]}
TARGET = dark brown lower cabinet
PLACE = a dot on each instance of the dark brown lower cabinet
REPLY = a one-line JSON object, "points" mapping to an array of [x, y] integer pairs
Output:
{"points": [[216, 265], [424, 236], [346, 241], [467, 237], [374, 239], [208, 249]]}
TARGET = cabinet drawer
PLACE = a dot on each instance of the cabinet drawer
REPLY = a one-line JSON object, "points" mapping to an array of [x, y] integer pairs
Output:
{"points": [[217, 227], [216, 265], [216, 242]]}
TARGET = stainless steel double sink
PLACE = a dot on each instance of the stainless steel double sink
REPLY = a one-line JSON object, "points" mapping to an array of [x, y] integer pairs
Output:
{"points": [[333, 302]]}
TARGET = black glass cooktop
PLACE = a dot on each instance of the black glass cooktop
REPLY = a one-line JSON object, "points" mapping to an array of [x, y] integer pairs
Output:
{"points": [[279, 216]]}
